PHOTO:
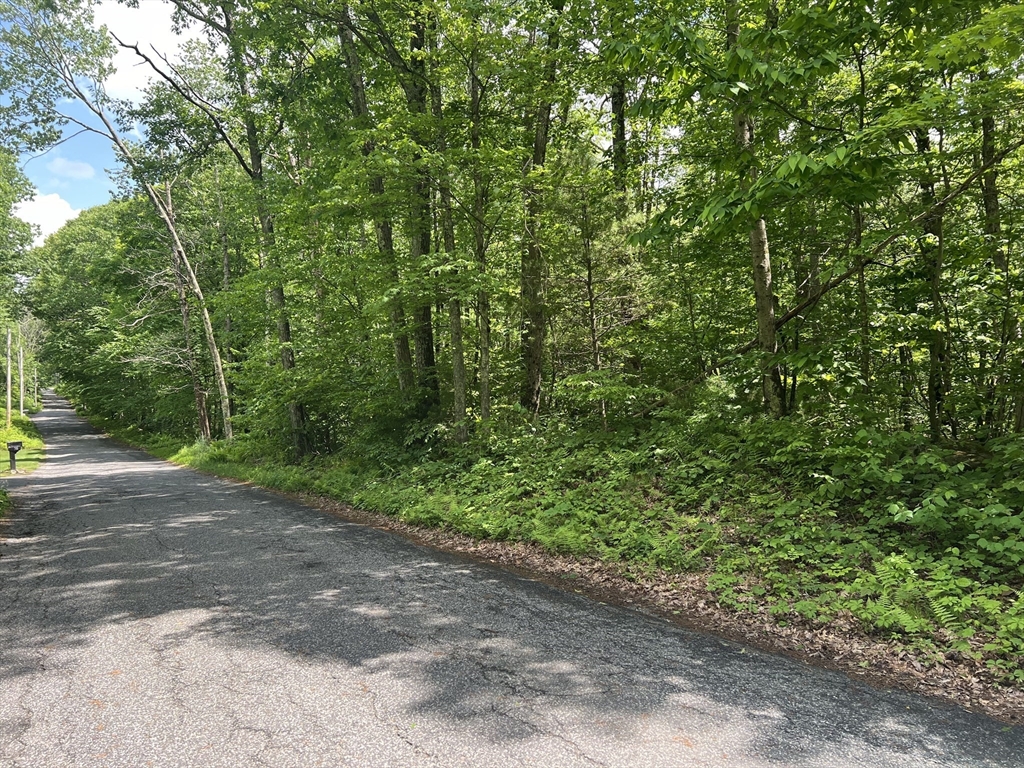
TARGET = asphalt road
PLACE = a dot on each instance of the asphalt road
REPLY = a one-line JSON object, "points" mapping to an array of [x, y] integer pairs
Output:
{"points": [[152, 616]]}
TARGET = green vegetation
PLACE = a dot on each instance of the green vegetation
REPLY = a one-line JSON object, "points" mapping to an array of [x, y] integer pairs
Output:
{"points": [[31, 455], [913, 539], [33, 449], [732, 287]]}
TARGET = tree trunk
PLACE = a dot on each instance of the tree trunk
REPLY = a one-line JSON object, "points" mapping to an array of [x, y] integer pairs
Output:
{"points": [[532, 280], [483, 301], [297, 419], [764, 298], [931, 256], [619, 151], [863, 311], [225, 256], [199, 394], [1009, 323], [592, 318], [459, 383], [415, 87], [381, 223], [182, 265]]}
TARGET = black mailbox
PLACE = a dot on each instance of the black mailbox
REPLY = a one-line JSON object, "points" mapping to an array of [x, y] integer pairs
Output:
{"points": [[12, 448]]}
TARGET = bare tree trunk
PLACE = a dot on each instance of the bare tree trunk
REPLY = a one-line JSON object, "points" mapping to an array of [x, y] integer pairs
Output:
{"points": [[237, 69], [222, 232], [864, 315], [1010, 324]]}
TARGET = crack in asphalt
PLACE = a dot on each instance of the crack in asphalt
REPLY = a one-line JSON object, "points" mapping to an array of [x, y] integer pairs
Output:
{"points": [[220, 625]]}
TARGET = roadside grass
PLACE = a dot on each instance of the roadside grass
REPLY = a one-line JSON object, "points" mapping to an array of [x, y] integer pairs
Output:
{"points": [[29, 457]]}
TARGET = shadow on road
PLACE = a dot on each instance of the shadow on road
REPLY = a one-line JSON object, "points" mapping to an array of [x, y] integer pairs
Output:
{"points": [[103, 536]]}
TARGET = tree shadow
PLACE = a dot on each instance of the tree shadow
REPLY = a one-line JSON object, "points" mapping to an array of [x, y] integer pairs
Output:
{"points": [[102, 536]]}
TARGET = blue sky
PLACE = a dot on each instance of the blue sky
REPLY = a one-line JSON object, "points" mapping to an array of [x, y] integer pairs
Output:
{"points": [[75, 175]]}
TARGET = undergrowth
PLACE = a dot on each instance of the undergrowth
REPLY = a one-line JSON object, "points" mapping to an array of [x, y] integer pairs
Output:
{"points": [[806, 520]]}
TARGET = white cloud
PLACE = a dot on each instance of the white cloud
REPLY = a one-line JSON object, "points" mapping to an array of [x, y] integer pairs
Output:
{"points": [[63, 168], [148, 26], [48, 212]]}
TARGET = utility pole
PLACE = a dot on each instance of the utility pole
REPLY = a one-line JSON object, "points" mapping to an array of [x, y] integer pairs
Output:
{"points": [[21, 378], [8, 377]]}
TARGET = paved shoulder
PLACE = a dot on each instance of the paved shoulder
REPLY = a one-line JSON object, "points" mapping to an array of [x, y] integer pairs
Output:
{"points": [[153, 616]]}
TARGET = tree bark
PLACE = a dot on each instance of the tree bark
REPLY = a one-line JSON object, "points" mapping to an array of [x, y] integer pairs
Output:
{"points": [[532, 279], [182, 266], [237, 69], [459, 382], [764, 298], [198, 393], [225, 259], [863, 311], [382, 225], [483, 299], [932, 258], [1009, 329], [415, 87], [619, 149]]}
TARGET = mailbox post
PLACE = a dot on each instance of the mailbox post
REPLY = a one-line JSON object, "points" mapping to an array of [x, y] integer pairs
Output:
{"points": [[13, 448]]}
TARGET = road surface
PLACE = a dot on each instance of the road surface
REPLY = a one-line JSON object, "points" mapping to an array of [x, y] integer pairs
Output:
{"points": [[153, 616]]}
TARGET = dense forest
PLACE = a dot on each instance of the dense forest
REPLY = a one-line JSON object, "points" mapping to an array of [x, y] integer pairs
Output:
{"points": [[730, 286]]}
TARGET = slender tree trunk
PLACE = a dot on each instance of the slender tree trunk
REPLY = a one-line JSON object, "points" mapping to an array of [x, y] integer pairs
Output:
{"points": [[619, 150], [198, 393], [182, 265], [1009, 324], [906, 387], [225, 255], [237, 68], [532, 283], [764, 299], [483, 300], [459, 379], [863, 312], [592, 318], [532, 280], [415, 87], [381, 223], [931, 255]]}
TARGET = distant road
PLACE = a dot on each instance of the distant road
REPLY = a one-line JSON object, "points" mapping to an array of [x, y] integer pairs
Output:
{"points": [[152, 616]]}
